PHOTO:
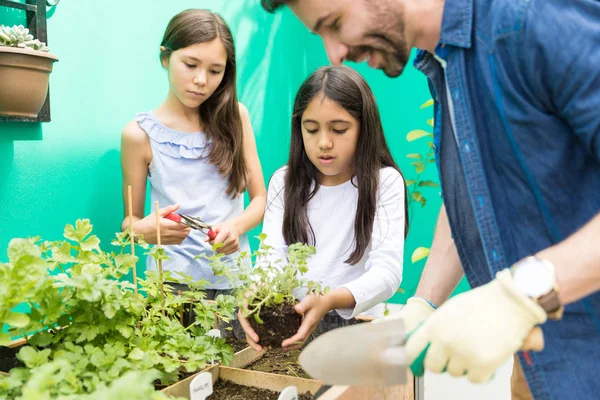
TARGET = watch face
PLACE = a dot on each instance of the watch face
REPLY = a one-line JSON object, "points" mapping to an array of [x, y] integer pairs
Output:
{"points": [[533, 277]]}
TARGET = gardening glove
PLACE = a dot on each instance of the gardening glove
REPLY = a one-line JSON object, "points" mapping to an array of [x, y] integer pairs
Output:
{"points": [[416, 310], [475, 332]]}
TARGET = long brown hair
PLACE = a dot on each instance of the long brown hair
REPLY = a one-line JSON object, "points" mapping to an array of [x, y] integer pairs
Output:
{"points": [[220, 112], [347, 88]]}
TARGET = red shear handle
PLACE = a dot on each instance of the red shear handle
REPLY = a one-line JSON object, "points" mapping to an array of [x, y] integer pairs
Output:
{"points": [[212, 235], [174, 217]]}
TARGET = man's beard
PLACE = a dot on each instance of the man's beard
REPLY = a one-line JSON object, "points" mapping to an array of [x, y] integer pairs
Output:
{"points": [[388, 38], [394, 55]]}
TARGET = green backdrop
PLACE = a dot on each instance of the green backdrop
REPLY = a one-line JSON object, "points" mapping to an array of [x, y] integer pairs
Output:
{"points": [[54, 173]]}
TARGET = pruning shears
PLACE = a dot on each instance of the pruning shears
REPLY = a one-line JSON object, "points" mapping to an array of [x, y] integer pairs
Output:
{"points": [[194, 223]]}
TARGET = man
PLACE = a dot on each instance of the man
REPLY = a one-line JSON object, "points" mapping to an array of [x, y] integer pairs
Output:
{"points": [[516, 85]]}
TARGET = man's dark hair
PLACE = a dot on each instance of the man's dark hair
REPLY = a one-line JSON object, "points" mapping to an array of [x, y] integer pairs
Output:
{"points": [[272, 5]]}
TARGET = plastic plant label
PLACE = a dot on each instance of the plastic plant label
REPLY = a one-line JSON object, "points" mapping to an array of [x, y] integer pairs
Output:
{"points": [[214, 333], [289, 393], [201, 386]]}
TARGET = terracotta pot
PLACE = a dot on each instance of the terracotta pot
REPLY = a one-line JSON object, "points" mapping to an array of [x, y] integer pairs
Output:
{"points": [[23, 80]]}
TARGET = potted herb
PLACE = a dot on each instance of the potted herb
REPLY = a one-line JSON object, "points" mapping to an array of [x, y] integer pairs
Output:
{"points": [[267, 293], [25, 66]]}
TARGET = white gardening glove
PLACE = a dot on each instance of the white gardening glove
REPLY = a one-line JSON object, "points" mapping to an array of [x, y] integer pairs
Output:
{"points": [[413, 313], [476, 332]]}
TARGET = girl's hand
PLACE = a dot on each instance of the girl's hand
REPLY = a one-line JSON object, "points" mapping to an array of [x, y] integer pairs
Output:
{"points": [[170, 232], [251, 336], [227, 234], [313, 307]]}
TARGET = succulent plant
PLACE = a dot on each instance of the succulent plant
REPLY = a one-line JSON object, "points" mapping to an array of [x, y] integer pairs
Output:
{"points": [[19, 36]]}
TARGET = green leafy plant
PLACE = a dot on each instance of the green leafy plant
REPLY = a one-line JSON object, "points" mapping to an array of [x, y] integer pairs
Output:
{"points": [[268, 292], [82, 314], [19, 36], [422, 159], [416, 185], [273, 282]]}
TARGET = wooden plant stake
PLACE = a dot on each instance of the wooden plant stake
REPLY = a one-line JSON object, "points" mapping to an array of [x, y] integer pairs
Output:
{"points": [[180, 309], [160, 269], [132, 239]]}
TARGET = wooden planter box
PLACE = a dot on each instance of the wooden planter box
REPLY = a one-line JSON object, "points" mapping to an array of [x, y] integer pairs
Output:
{"points": [[398, 392], [8, 353], [277, 383], [244, 377], [240, 360]]}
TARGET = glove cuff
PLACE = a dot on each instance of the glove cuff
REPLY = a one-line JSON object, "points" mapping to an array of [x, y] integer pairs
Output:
{"points": [[505, 279], [427, 306]]}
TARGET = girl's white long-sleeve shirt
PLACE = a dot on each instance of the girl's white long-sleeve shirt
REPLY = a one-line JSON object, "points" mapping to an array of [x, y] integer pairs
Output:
{"points": [[331, 212]]}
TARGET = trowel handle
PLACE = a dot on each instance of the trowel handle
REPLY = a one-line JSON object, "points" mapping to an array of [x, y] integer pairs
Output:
{"points": [[535, 340]]}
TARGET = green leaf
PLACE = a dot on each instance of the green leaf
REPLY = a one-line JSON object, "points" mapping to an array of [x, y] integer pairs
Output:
{"points": [[79, 232], [278, 298], [28, 354], [99, 359], [257, 318], [126, 331], [17, 320], [419, 254], [4, 339], [410, 182], [419, 166], [414, 155], [430, 122], [429, 184], [417, 196], [18, 248], [62, 252], [91, 243], [136, 354], [428, 103], [416, 134], [159, 253]]}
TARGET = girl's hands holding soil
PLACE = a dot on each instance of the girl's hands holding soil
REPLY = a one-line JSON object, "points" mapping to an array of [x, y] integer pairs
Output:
{"points": [[313, 307], [251, 336]]}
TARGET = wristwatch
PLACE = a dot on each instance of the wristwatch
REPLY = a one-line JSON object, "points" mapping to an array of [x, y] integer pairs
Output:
{"points": [[537, 279]]}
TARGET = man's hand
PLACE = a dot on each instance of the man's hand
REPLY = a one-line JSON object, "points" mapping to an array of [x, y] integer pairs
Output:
{"points": [[413, 313], [475, 332]]}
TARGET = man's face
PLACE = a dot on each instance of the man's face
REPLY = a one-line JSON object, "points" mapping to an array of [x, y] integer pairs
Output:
{"points": [[358, 30]]}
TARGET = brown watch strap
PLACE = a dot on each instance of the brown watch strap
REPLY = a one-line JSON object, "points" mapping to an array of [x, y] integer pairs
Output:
{"points": [[550, 302]]}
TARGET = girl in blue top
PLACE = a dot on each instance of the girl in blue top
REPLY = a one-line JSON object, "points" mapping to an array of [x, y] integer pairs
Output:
{"points": [[197, 149]]}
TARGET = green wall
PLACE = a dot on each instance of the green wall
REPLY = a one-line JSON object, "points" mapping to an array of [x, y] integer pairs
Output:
{"points": [[54, 173]]}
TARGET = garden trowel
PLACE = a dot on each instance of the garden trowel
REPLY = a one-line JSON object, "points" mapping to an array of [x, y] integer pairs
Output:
{"points": [[369, 354]]}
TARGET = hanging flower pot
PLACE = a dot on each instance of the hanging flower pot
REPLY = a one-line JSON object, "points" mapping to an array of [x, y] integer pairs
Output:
{"points": [[25, 66]]}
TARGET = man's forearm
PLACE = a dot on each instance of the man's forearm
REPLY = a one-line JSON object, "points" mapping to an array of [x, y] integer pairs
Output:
{"points": [[443, 270], [577, 262]]}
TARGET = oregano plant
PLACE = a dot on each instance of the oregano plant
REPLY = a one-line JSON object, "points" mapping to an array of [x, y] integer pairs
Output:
{"points": [[267, 292]]}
